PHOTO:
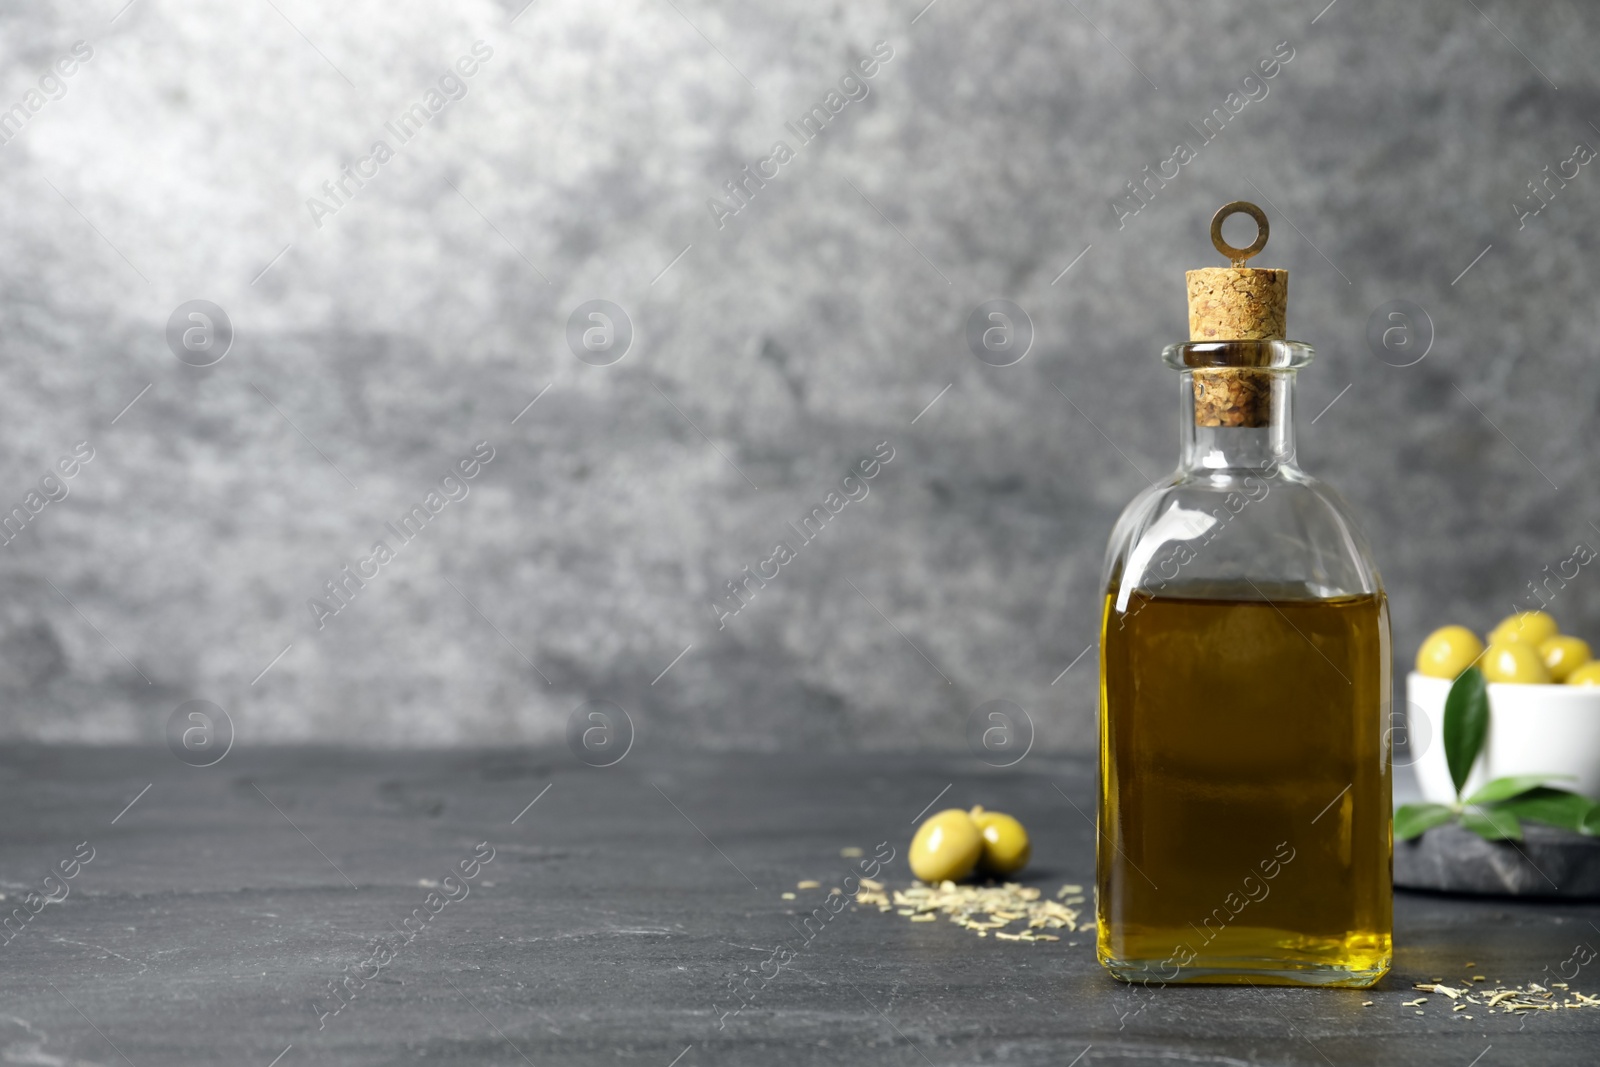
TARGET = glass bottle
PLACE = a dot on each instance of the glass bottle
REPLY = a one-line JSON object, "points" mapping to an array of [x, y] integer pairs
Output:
{"points": [[1244, 810]]}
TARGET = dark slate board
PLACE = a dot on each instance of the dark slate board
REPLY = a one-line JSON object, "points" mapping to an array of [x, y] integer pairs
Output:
{"points": [[1546, 863]]}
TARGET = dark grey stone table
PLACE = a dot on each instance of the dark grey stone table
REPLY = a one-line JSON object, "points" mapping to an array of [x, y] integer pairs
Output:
{"points": [[217, 909]]}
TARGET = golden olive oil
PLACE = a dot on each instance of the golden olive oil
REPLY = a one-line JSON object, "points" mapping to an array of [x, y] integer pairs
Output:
{"points": [[1245, 789]]}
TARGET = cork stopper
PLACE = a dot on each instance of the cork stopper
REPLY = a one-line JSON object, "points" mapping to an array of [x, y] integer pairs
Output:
{"points": [[1236, 303]]}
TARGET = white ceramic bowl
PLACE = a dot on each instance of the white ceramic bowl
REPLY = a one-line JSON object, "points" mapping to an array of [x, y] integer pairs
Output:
{"points": [[1533, 729]]}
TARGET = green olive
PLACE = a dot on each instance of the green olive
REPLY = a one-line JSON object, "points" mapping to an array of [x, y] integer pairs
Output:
{"points": [[1448, 651], [1534, 627], [1005, 843], [1588, 674], [946, 847], [1562, 655], [1516, 662]]}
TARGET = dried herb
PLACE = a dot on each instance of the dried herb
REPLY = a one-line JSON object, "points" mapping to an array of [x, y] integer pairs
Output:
{"points": [[986, 909]]}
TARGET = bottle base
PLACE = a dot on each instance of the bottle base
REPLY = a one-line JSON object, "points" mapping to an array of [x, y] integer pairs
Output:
{"points": [[1248, 971]]}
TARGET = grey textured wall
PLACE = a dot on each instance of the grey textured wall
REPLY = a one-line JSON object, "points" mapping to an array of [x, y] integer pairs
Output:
{"points": [[377, 342]]}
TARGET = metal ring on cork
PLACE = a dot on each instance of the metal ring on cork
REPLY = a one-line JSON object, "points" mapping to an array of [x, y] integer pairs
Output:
{"points": [[1237, 256]]}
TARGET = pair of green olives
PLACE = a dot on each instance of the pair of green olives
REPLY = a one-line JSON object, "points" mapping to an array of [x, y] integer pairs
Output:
{"points": [[952, 843]]}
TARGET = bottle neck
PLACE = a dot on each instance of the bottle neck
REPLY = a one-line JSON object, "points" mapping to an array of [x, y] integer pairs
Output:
{"points": [[1209, 448]]}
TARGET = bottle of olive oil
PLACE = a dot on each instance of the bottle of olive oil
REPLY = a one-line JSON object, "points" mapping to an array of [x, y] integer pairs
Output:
{"points": [[1245, 683]]}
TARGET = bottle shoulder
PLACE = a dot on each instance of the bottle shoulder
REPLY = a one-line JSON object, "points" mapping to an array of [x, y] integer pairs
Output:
{"points": [[1211, 529]]}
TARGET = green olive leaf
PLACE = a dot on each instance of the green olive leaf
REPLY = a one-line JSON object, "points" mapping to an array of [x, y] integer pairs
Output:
{"points": [[1591, 822], [1513, 785], [1553, 807], [1411, 820], [1466, 723], [1492, 824]]}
